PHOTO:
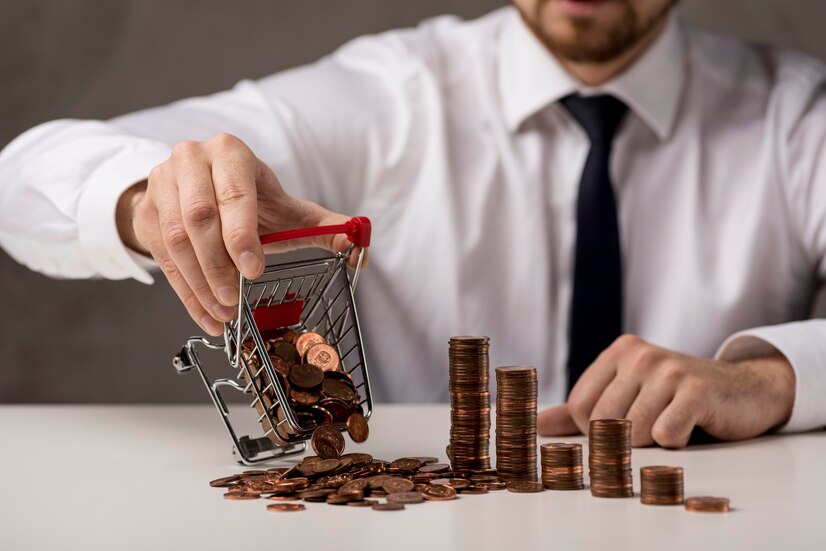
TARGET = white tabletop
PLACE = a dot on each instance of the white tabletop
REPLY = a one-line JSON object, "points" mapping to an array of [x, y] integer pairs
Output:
{"points": [[116, 477]]}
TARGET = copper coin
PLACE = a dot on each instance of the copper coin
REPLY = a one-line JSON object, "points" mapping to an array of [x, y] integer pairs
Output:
{"points": [[327, 442], [456, 483], [240, 496], [339, 409], [326, 466], [406, 498], [307, 340], [407, 464], [287, 497], [434, 468], [357, 427], [306, 376], [388, 507], [525, 487], [473, 490], [359, 484], [324, 356], [285, 350], [336, 388], [707, 504], [438, 492], [393, 485], [281, 365], [285, 507], [303, 397], [363, 503], [225, 481]]}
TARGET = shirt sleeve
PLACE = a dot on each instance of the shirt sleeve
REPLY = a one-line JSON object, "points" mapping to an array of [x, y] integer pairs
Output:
{"points": [[801, 137], [329, 131]]}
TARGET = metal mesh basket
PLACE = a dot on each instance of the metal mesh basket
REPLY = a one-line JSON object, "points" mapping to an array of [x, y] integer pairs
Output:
{"points": [[306, 295]]}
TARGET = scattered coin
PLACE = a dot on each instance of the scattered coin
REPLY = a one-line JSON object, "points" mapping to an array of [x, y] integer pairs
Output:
{"points": [[327, 442], [388, 507], [438, 492], [406, 498], [707, 504], [240, 496], [285, 507], [357, 427], [393, 485], [225, 482], [525, 487]]}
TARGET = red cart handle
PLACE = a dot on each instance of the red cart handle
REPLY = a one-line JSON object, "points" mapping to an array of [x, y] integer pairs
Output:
{"points": [[357, 229]]}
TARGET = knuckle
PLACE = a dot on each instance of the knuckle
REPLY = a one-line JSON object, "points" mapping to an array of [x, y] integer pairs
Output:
{"points": [[577, 407], [200, 212], [225, 140], [238, 238], [184, 148], [663, 435], [175, 237], [170, 269], [216, 271], [191, 303], [671, 371], [231, 192]]}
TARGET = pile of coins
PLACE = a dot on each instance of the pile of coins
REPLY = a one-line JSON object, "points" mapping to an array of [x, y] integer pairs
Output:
{"points": [[609, 458], [359, 480], [469, 447], [661, 485], [318, 392], [516, 423], [561, 466]]}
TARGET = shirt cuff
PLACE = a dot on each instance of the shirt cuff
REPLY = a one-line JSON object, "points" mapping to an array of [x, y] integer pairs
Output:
{"points": [[803, 344], [97, 227]]}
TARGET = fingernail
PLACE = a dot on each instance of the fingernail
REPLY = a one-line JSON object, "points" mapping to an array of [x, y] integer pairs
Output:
{"points": [[250, 265], [228, 296], [226, 313], [211, 326]]}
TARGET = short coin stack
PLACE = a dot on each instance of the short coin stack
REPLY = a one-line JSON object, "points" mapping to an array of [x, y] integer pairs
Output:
{"points": [[469, 447], [661, 485], [609, 458], [707, 504], [561, 466], [516, 423]]}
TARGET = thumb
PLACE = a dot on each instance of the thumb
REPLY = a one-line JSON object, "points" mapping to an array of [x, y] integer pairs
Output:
{"points": [[556, 421]]}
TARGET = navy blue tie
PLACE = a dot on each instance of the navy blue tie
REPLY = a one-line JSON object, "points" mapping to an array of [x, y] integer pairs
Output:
{"points": [[596, 305]]}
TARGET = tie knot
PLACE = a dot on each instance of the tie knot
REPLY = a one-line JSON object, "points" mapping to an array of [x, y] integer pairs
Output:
{"points": [[600, 116]]}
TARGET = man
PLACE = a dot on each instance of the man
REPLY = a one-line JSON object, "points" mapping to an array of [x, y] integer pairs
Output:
{"points": [[554, 175]]}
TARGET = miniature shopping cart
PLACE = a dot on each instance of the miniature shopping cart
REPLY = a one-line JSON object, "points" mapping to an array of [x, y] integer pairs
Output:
{"points": [[303, 295]]}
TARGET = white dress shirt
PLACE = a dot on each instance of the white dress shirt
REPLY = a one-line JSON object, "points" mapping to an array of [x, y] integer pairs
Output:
{"points": [[450, 138]]}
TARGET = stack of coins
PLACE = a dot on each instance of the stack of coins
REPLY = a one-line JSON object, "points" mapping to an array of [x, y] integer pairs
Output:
{"points": [[609, 458], [516, 423], [469, 447], [707, 504], [561, 466], [661, 485]]}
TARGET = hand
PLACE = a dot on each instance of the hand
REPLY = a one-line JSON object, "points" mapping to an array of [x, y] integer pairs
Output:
{"points": [[666, 395], [199, 215]]}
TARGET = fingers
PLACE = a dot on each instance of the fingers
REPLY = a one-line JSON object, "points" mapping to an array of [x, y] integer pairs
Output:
{"points": [[589, 387], [673, 427], [649, 404], [616, 399], [556, 421], [234, 179], [178, 248], [200, 215]]}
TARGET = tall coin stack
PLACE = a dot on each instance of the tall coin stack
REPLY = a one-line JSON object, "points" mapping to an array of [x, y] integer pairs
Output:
{"points": [[516, 423], [561, 466], [469, 447], [661, 485], [609, 458]]}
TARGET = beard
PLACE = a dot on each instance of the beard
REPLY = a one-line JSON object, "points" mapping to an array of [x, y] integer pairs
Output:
{"points": [[591, 39]]}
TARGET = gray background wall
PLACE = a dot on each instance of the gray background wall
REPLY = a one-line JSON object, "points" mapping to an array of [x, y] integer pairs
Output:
{"points": [[104, 341]]}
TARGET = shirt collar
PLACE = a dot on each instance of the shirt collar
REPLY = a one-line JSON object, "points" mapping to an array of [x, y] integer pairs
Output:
{"points": [[531, 78]]}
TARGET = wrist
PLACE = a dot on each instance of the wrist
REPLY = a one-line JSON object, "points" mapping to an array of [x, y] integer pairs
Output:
{"points": [[125, 216], [778, 380]]}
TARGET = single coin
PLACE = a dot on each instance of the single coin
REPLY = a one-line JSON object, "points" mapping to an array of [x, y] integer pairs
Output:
{"points": [[357, 427], [707, 504], [525, 487], [393, 485], [337, 388], [339, 409], [359, 484], [362, 503], [438, 492], [285, 507], [472, 490], [288, 497], [456, 483], [307, 340], [407, 464], [327, 442], [285, 350], [326, 466], [434, 468], [225, 482], [240, 496], [306, 376], [323, 356], [388, 507], [406, 498]]}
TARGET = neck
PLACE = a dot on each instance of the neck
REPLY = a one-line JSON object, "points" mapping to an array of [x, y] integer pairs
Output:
{"points": [[596, 74]]}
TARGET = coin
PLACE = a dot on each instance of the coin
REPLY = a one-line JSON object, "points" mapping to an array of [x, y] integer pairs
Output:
{"points": [[327, 442], [357, 427], [285, 507], [239, 496], [225, 482], [286, 351], [323, 356], [406, 498], [306, 376], [388, 507], [525, 487], [326, 466], [305, 341], [707, 504], [407, 464], [393, 485], [434, 468], [438, 492]]}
